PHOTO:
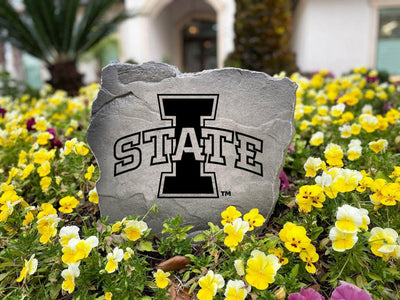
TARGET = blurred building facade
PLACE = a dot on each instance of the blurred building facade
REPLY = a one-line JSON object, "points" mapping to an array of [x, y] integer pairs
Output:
{"points": [[199, 34]]}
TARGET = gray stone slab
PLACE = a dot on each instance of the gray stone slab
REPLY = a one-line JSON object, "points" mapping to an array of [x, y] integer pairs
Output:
{"points": [[191, 143]]}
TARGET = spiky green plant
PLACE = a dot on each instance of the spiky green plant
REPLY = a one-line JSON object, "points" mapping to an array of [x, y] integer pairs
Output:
{"points": [[58, 32]]}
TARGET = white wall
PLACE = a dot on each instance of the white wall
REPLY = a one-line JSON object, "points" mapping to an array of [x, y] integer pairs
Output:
{"points": [[332, 34]]}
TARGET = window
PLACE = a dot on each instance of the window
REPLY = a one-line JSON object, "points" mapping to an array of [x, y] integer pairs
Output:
{"points": [[200, 46], [388, 48]]}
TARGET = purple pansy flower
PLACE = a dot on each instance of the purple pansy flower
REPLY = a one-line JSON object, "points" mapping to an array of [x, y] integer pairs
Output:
{"points": [[348, 291], [306, 294]]}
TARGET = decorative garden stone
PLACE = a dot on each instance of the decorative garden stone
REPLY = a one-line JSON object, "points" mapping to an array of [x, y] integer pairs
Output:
{"points": [[192, 144]]}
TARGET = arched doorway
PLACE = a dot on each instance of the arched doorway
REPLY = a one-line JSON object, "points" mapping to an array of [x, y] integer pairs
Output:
{"points": [[157, 32], [199, 45], [184, 34]]}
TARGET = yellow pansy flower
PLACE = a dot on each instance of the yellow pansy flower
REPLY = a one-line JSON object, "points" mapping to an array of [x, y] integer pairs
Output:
{"points": [[80, 149], [254, 218], [368, 122], [342, 241], [43, 138], [47, 209], [134, 229], [67, 204], [376, 187], [294, 237], [209, 284], [261, 269], [392, 115], [396, 172], [44, 169], [390, 194], [312, 165], [308, 196], [113, 259], [67, 233], [347, 180], [29, 268], [27, 171], [161, 278], [6, 210], [93, 196], [364, 184], [355, 129], [378, 146], [239, 267], [384, 243], [369, 94], [278, 252], [345, 131], [69, 146], [89, 172], [383, 123], [317, 138], [235, 232], [365, 219], [39, 157], [235, 290], [29, 217], [310, 256], [334, 154], [229, 215], [41, 124], [69, 276], [22, 158], [337, 110], [349, 219], [47, 227], [304, 124], [349, 98]]}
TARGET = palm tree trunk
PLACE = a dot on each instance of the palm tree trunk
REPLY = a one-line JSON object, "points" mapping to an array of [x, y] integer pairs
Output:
{"points": [[65, 76]]}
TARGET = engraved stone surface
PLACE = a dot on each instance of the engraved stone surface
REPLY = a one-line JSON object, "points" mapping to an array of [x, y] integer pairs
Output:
{"points": [[192, 143]]}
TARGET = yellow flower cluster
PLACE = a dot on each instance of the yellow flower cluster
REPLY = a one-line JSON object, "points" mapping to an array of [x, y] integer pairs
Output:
{"points": [[235, 227], [350, 220], [296, 240], [47, 221]]}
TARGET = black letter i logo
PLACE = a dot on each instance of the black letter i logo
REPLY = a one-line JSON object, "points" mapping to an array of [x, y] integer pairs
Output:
{"points": [[187, 178]]}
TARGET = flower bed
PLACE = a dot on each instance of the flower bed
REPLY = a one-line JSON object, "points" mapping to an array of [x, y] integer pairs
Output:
{"points": [[336, 219]]}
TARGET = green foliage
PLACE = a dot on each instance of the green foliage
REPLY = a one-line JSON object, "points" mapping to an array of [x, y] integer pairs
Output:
{"points": [[53, 32], [317, 262], [263, 36], [175, 242]]}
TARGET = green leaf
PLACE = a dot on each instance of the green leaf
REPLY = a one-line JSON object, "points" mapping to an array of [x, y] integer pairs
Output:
{"points": [[54, 290], [199, 238], [295, 271], [315, 232], [146, 246], [6, 264], [186, 276], [374, 276], [194, 285], [2, 276]]}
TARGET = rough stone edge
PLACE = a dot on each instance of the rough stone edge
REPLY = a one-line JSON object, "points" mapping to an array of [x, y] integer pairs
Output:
{"points": [[109, 92], [114, 88]]}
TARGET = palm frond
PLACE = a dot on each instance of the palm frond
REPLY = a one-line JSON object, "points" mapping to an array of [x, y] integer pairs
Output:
{"points": [[19, 31], [92, 20], [51, 30]]}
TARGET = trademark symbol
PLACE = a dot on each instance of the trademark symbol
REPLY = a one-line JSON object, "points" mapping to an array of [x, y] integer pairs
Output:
{"points": [[226, 193]]}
